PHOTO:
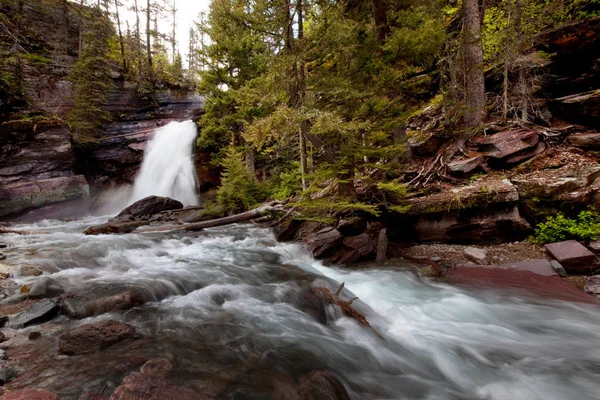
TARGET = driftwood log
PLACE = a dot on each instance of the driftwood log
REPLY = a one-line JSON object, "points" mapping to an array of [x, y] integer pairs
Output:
{"points": [[345, 306], [233, 219]]}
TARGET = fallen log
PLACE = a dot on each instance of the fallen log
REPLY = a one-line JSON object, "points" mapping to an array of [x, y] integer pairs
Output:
{"points": [[233, 219], [346, 306]]}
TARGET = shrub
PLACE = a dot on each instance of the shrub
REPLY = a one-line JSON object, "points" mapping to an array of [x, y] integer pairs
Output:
{"points": [[240, 190], [585, 227]]}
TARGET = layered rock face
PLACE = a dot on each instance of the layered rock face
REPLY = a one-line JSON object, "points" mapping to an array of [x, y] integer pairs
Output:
{"points": [[37, 165]]}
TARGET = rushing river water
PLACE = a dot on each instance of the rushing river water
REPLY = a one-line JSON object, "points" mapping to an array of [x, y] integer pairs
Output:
{"points": [[231, 312]]}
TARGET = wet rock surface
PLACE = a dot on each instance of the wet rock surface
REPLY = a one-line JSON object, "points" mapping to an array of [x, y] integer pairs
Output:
{"points": [[322, 385], [94, 337], [30, 394], [149, 206], [42, 311]]}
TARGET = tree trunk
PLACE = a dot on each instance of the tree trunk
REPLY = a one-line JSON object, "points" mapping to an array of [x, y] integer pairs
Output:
{"points": [[382, 245], [301, 88], [148, 35], [524, 89], [173, 40], [507, 62], [474, 79], [380, 16], [121, 44], [138, 39]]}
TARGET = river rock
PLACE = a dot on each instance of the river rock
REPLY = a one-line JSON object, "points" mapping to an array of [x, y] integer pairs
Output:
{"points": [[478, 256], [114, 227], [592, 286], [5, 271], [45, 287], [574, 257], [42, 311], [30, 270], [7, 374], [150, 205], [322, 385], [29, 394], [92, 396], [464, 168], [3, 337], [558, 268], [356, 247], [352, 226], [94, 337], [324, 240], [139, 386], [78, 307]]}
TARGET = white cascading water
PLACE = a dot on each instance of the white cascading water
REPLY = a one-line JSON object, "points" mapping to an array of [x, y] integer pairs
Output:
{"points": [[167, 169]]}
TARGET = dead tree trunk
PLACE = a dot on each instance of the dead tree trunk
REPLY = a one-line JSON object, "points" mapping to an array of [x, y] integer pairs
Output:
{"points": [[475, 84], [233, 219]]}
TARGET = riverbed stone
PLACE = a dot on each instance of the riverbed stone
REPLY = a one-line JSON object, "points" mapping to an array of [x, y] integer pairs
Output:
{"points": [[114, 227], [45, 287], [476, 255], [139, 386], [150, 205], [558, 268], [29, 394], [5, 271], [573, 256], [592, 286], [30, 270], [92, 396], [42, 311], [322, 385], [90, 338]]}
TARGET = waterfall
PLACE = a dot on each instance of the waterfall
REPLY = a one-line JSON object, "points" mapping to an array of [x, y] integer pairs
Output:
{"points": [[167, 169]]}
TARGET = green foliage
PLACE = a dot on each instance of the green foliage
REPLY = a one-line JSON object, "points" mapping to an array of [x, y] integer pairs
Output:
{"points": [[289, 184], [585, 227], [239, 190], [92, 81]]}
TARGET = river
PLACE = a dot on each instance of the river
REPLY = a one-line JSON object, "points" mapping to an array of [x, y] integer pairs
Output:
{"points": [[229, 308]]}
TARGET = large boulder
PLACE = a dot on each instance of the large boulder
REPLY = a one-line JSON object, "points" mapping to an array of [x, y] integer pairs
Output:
{"points": [[573, 256], [150, 205], [94, 337]]}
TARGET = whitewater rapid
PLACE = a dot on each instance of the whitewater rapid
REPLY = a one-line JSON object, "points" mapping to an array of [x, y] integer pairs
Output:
{"points": [[168, 168], [231, 308]]}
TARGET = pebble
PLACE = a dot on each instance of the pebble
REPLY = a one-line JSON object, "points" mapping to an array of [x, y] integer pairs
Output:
{"points": [[35, 335], [3, 354], [436, 259]]}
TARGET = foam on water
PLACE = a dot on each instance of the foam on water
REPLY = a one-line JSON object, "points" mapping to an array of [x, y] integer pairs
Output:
{"points": [[168, 169], [232, 301]]}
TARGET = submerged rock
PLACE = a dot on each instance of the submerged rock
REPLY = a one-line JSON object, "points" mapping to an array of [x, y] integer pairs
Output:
{"points": [[42, 311], [77, 307], [29, 394], [141, 386], [150, 205], [322, 385], [94, 337], [156, 367]]}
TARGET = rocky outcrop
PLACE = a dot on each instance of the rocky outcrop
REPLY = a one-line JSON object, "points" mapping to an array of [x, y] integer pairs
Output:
{"points": [[509, 147], [580, 108], [149, 206], [590, 141], [574, 257], [481, 212], [37, 164]]}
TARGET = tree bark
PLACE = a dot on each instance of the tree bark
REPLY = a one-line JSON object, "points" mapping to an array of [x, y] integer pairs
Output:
{"points": [[382, 245], [138, 39], [173, 39], [148, 35], [121, 44], [474, 80]]}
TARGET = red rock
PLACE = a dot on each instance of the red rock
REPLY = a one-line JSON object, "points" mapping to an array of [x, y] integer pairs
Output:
{"points": [[94, 337], [29, 394], [361, 243], [508, 143], [151, 205], [77, 307], [493, 276], [573, 256], [138, 386], [92, 396], [592, 286]]}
